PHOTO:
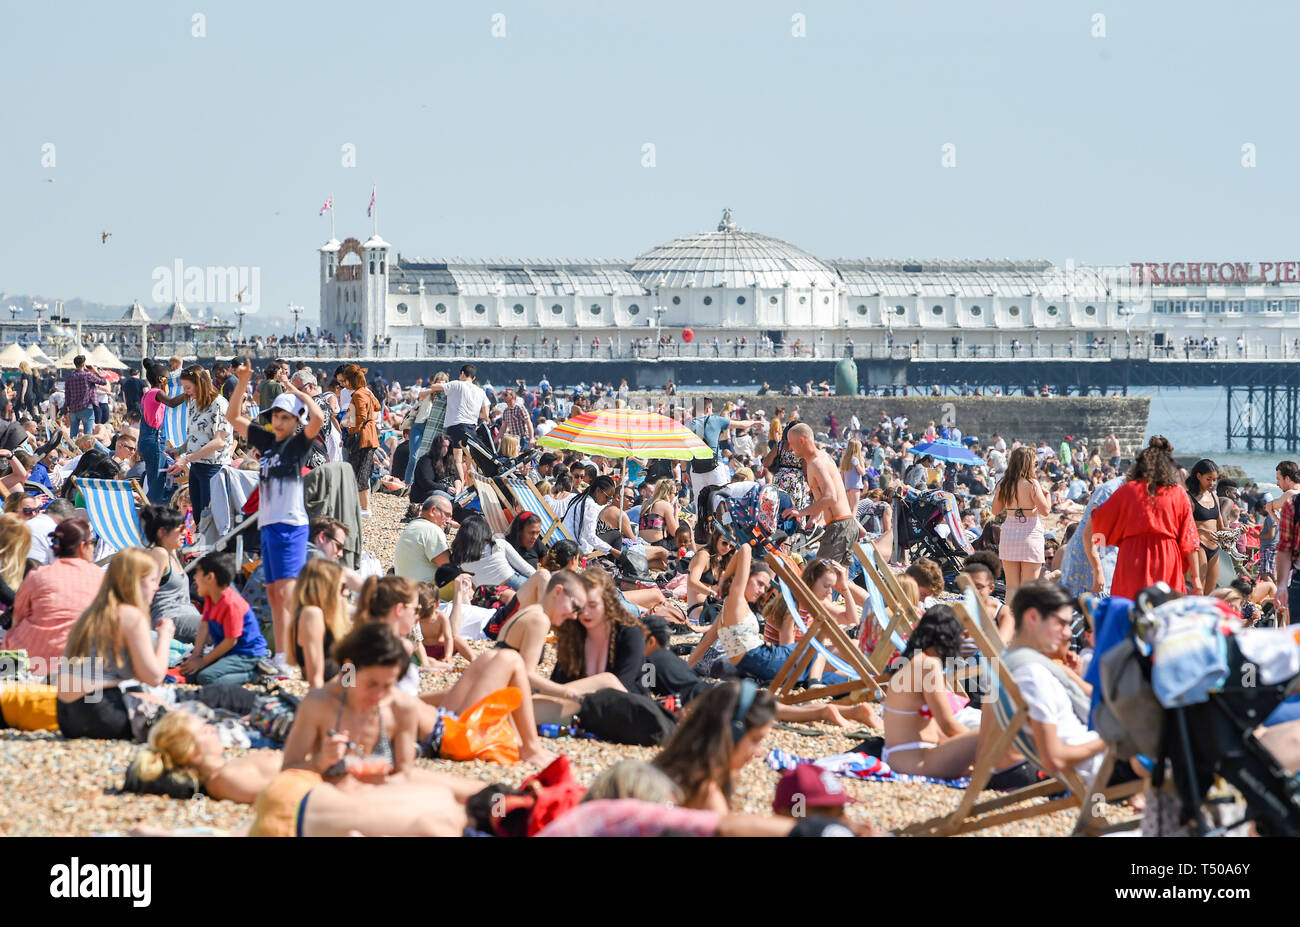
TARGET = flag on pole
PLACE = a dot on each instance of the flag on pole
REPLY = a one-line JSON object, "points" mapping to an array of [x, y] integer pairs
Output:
{"points": [[329, 204], [371, 210]]}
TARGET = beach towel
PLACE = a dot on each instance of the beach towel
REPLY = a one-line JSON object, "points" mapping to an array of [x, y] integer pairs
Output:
{"points": [[856, 766]]}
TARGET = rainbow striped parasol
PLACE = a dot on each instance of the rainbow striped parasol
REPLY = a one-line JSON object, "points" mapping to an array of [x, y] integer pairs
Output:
{"points": [[627, 433]]}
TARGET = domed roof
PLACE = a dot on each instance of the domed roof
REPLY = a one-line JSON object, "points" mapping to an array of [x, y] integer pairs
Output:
{"points": [[732, 257]]}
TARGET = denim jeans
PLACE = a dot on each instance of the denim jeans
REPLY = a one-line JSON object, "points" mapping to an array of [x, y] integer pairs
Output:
{"points": [[82, 421], [233, 668], [201, 475], [151, 453], [417, 436]]}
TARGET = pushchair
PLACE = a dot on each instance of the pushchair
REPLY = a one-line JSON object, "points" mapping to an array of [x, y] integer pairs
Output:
{"points": [[927, 525], [490, 464], [1215, 735]]}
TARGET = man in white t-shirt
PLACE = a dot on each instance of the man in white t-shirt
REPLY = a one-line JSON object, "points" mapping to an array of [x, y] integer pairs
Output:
{"points": [[467, 404], [41, 523], [1058, 710]]}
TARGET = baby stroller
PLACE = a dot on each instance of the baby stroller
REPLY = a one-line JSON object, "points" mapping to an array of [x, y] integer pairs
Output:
{"points": [[927, 525], [491, 464], [1209, 731]]}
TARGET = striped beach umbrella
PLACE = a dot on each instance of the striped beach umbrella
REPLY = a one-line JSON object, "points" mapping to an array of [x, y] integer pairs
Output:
{"points": [[627, 433]]}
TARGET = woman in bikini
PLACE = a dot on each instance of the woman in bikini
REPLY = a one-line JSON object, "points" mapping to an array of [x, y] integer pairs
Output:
{"points": [[185, 757], [1020, 545], [658, 520], [320, 619], [922, 734], [708, 567], [1207, 517]]}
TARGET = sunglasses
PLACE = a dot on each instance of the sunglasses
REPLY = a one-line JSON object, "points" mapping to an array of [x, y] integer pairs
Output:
{"points": [[28, 513]]}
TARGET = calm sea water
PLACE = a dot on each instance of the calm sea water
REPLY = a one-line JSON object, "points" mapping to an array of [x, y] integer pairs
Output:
{"points": [[1195, 422]]}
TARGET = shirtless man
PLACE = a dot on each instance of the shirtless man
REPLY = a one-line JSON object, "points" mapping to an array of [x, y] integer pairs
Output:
{"points": [[830, 501], [1110, 450]]}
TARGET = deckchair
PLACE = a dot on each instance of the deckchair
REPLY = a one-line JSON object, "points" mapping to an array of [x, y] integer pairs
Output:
{"points": [[887, 608], [175, 419], [528, 499], [822, 636], [112, 508], [1011, 713], [491, 503]]}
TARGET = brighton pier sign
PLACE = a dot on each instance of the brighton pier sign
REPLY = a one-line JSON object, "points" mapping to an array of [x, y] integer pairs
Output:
{"points": [[1216, 272]]}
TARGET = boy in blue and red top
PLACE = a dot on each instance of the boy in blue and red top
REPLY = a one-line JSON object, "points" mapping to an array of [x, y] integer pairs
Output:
{"points": [[229, 623]]}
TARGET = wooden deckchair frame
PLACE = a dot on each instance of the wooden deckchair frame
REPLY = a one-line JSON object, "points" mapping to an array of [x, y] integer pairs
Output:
{"points": [[825, 629], [556, 524], [492, 503], [972, 814]]}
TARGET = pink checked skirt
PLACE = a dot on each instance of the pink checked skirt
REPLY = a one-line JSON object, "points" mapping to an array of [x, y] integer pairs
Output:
{"points": [[1021, 540]]}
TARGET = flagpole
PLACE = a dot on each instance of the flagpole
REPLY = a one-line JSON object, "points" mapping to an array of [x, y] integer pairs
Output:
{"points": [[374, 210], [332, 216]]}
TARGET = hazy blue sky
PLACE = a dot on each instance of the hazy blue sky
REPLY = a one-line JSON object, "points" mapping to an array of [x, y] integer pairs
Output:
{"points": [[220, 150]]}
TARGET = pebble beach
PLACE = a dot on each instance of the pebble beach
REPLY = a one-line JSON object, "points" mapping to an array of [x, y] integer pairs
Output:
{"points": [[50, 786]]}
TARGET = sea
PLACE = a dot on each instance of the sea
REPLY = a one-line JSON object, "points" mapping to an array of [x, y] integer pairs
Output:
{"points": [[1195, 421]]}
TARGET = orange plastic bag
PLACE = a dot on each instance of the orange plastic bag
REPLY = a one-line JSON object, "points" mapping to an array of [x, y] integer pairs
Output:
{"points": [[29, 707], [484, 731]]}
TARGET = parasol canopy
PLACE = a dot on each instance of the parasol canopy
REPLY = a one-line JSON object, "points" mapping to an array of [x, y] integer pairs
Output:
{"points": [[102, 356], [12, 356], [39, 357], [627, 433], [949, 451]]}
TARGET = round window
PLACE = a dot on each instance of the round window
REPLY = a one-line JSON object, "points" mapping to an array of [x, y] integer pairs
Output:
{"points": [[595, 308], [402, 308], [708, 300], [976, 311], [1014, 310], [899, 310], [480, 309], [825, 300], [633, 309], [1090, 310], [862, 310], [1051, 310], [802, 300], [677, 300], [558, 309], [937, 310], [740, 300], [441, 308], [519, 308], [772, 300]]}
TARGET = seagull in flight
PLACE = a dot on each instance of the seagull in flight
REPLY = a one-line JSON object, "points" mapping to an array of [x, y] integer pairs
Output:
{"points": [[104, 237]]}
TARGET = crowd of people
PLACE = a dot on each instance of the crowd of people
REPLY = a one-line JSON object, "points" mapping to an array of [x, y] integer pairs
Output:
{"points": [[621, 605]]}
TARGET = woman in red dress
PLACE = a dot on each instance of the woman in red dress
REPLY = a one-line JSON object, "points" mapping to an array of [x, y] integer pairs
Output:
{"points": [[1150, 519]]}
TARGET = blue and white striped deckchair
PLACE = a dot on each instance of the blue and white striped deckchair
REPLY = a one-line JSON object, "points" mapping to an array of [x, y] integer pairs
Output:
{"points": [[1011, 712], [527, 499], [175, 420], [822, 636], [111, 506]]}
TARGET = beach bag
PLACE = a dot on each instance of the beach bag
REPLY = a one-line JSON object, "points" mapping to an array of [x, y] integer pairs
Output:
{"points": [[273, 716], [483, 731], [1130, 718], [626, 718]]}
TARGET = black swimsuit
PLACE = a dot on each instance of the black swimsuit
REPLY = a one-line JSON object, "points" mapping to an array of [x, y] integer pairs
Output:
{"points": [[1204, 513]]}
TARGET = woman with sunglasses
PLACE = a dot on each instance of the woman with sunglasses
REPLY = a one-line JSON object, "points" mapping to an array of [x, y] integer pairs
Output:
{"points": [[163, 527], [52, 598]]}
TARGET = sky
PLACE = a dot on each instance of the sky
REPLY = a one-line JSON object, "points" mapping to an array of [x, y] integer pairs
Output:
{"points": [[216, 140]]}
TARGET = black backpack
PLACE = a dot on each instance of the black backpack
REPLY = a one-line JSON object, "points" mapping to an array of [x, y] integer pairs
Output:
{"points": [[626, 718]]}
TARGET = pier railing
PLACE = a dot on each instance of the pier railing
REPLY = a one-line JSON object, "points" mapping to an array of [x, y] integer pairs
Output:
{"points": [[880, 350]]}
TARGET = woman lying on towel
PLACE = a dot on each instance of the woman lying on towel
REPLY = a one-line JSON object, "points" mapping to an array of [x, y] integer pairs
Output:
{"points": [[185, 757], [922, 734]]}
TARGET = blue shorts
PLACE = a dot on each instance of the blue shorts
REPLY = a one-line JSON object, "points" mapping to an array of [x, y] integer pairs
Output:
{"points": [[284, 551]]}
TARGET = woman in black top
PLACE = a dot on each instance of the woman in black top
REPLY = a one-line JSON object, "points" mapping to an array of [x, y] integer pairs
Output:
{"points": [[525, 536], [435, 472], [1205, 513], [605, 647]]}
